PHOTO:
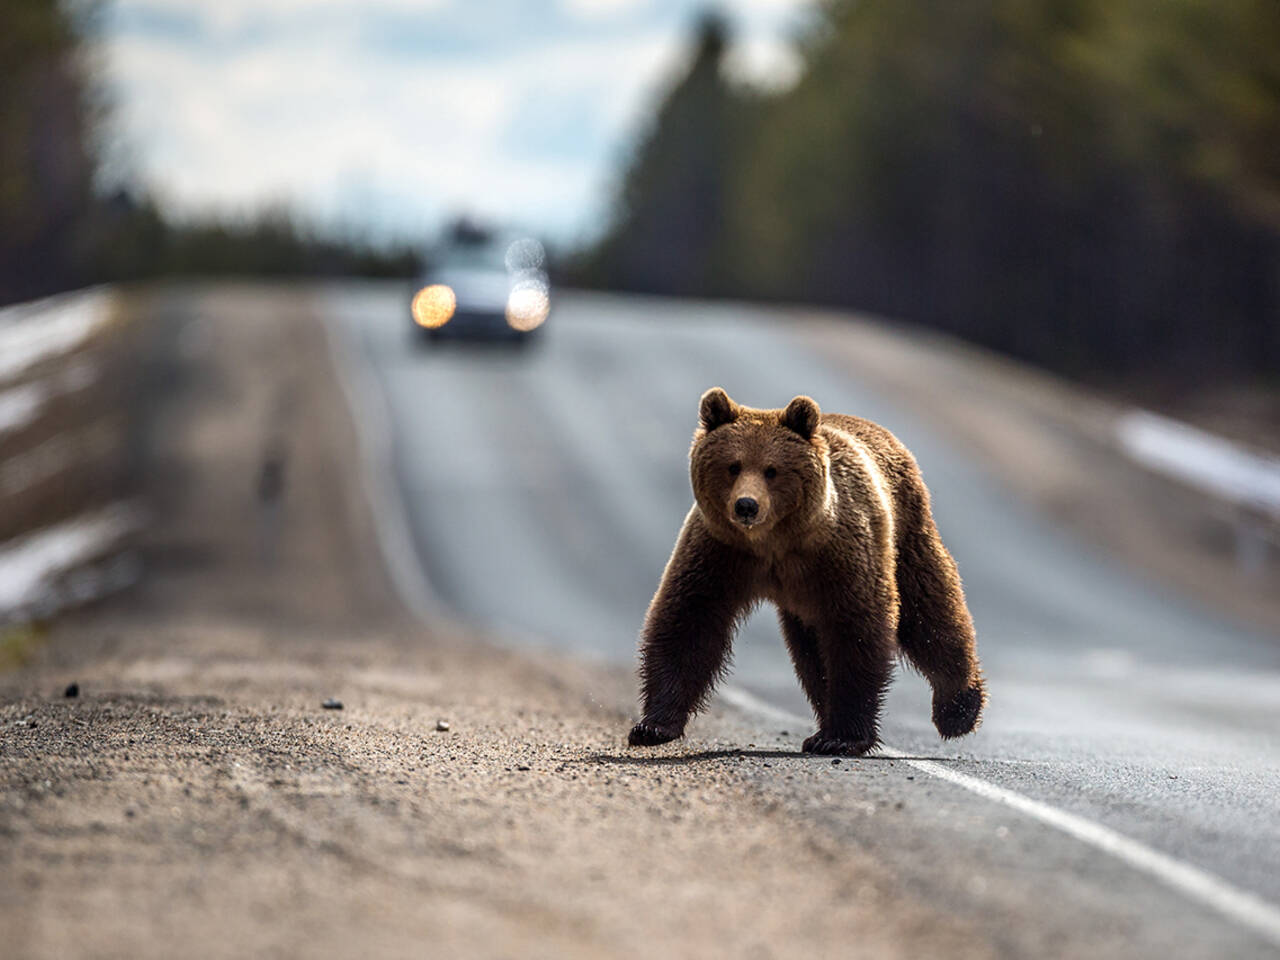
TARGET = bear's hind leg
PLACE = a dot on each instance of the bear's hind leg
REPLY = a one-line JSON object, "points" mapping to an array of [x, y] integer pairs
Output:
{"points": [[858, 657], [802, 643], [935, 631]]}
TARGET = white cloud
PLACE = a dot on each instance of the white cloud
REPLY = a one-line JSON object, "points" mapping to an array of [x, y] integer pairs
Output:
{"points": [[285, 102], [220, 18], [336, 129], [600, 9], [764, 60]]}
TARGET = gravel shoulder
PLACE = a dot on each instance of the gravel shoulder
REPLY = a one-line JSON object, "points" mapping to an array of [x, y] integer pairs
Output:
{"points": [[196, 799]]}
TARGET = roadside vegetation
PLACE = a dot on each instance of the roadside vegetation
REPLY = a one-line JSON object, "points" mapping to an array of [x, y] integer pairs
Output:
{"points": [[1093, 186], [59, 231]]}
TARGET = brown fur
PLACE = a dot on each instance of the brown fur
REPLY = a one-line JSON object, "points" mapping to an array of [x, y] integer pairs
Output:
{"points": [[842, 540]]}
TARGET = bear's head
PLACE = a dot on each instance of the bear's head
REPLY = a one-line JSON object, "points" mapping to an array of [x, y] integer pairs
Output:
{"points": [[758, 474]]}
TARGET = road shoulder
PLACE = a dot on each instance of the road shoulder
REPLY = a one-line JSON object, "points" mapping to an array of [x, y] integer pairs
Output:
{"points": [[196, 797]]}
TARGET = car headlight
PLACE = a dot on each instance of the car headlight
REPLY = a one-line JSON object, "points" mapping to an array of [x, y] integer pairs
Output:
{"points": [[527, 308], [433, 306]]}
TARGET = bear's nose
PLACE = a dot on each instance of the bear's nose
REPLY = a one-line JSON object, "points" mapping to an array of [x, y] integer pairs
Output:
{"points": [[746, 508]]}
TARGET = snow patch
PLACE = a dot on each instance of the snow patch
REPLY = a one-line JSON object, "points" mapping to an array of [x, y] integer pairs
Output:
{"points": [[1202, 459], [31, 565], [18, 406], [32, 332]]}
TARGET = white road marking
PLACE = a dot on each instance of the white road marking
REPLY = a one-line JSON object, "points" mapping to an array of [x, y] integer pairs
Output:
{"points": [[369, 411], [1212, 891], [373, 429]]}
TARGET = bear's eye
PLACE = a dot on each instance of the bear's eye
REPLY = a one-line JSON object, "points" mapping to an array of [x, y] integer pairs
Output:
{"points": [[770, 472], [735, 469]]}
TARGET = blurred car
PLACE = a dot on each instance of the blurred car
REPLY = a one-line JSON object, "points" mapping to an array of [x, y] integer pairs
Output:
{"points": [[483, 285]]}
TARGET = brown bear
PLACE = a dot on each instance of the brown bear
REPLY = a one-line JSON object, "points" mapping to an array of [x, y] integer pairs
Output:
{"points": [[828, 517]]}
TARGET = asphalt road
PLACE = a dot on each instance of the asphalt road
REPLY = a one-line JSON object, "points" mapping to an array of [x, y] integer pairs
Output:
{"points": [[545, 489]]}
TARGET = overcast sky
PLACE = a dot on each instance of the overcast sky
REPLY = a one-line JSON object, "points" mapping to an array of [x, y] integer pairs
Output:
{"points": [[391, 114]]}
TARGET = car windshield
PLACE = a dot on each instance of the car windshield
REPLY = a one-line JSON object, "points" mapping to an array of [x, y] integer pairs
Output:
{"points": [[488, 255], [471, 247]]}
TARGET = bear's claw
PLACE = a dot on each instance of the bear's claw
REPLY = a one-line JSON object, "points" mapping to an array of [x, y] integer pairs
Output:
{"points": [[825, 743], [958, 714], [647, 734]]}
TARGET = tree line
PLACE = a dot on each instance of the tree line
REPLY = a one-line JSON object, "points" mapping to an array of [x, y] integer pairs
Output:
{"points": [[1093, 185], [57, 231]]}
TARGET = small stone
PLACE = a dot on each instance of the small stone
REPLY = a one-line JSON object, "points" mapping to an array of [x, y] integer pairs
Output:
{"points": [[442, 726], [835, 762], [522, 767], [73, 690], [332, 704]]}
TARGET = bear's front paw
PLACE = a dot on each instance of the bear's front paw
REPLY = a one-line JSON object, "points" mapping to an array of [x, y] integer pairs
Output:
{"points": [[956, 714], [826, 743], [649, 734]]}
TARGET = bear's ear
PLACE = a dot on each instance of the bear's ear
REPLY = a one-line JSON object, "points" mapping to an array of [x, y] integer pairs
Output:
{"points": [[801, 416], [716, 409]]}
